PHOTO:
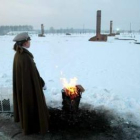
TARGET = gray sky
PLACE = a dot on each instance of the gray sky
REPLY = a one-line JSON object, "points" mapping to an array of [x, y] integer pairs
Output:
{"points": [[70, 13]]}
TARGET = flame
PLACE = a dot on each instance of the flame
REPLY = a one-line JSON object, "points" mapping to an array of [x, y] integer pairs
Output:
{"points": [[70, 87]]}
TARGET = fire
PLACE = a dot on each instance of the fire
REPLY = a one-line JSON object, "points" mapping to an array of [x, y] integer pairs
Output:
{"points": [[70, 87]]}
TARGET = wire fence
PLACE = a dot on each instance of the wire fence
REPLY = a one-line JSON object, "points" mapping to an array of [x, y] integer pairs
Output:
{"points": [[6, 99]]}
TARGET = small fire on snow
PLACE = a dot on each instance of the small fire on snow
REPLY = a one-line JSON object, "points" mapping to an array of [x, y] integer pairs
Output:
{"points": [[71, 94], [70, 88]]}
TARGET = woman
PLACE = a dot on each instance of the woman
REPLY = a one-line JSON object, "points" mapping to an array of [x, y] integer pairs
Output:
{"points": [[29, 102]]}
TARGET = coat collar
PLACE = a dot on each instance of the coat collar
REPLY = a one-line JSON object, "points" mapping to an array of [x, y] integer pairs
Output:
{"points": [[26, 51]]}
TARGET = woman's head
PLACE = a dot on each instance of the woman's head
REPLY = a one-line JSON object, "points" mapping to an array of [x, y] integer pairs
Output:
{"points": [[22, 40]]}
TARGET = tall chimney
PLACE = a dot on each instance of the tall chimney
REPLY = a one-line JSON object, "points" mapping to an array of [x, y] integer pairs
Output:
{"points": [[98, 22], [111, 27], [99, 36], [42, 29]]}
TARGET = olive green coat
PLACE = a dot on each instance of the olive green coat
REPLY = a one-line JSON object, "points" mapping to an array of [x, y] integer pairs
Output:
{"points": [[29, 103]]}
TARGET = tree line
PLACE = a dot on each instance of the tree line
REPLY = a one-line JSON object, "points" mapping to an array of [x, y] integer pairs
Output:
{"points": [[68, 30], [5, 29]]}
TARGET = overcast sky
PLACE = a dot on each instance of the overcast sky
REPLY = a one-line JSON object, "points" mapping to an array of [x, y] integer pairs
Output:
{"points": [[70, 13]]}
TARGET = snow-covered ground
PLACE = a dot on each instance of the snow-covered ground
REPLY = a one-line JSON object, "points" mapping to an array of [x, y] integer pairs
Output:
{"points": [[109, 71]]}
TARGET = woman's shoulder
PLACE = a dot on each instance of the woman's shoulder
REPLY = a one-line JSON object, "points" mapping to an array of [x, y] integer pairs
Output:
{"points": [[23, 57]]}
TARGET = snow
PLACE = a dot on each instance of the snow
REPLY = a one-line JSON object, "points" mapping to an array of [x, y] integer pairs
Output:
{"points": [[109, 71]]}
